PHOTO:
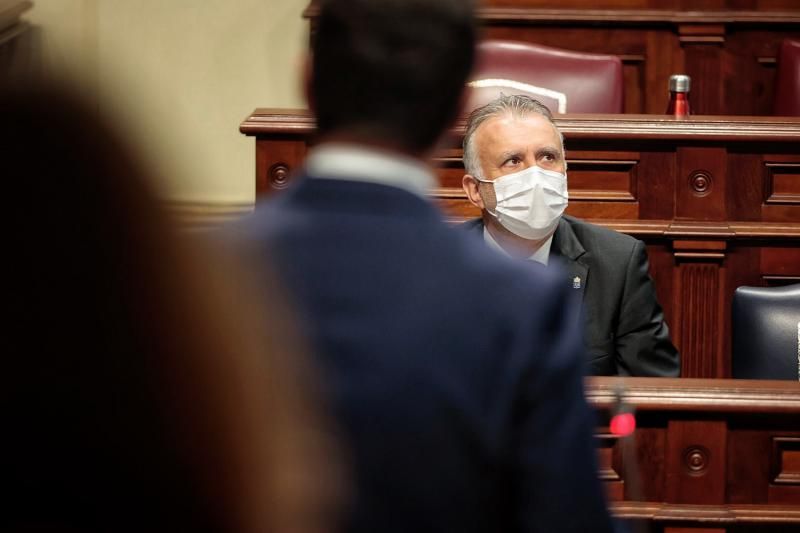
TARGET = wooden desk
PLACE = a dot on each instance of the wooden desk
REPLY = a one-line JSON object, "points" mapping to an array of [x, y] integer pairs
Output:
{"points": [[713, 455], [716, 200]]}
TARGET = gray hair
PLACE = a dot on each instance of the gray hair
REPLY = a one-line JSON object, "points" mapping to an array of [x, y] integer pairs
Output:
{"points": [[516, 105]]}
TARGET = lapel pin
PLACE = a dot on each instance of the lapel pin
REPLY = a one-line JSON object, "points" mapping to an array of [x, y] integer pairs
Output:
{"points": [[576, 282]]}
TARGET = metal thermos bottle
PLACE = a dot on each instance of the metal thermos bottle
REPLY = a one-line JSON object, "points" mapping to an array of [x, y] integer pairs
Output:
{"points": [[679, 85]]}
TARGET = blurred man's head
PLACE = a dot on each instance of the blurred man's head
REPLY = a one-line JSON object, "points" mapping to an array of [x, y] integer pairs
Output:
{"points": [[391, 71]]}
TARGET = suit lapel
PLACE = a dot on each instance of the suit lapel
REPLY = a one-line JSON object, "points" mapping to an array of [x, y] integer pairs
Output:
{"points": [[568, 249]]}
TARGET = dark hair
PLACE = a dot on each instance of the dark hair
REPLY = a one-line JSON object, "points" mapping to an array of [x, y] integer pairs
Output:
{"points": [[391, 70]]}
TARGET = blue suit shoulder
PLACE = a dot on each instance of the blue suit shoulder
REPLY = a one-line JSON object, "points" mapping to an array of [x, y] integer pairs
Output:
{"points": [[506, 273]]}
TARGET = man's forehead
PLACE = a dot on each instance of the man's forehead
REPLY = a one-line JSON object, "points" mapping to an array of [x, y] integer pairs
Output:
{"points": [[506, 126]]}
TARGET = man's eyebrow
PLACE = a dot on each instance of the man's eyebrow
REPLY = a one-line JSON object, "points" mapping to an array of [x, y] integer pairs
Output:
{"points": [[508, 154], [548, 149]]}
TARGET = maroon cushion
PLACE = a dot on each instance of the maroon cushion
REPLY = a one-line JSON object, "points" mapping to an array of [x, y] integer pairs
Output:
{"points": [[787, 81], [581, 83]]}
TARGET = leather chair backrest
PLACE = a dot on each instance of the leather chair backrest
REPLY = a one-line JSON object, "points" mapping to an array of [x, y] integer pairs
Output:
{"points": [[563, 80], [766, 332], [787, 80]]}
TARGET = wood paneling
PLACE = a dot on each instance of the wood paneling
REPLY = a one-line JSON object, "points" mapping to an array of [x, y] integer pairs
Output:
{"points": [[719, 455], [713, 198], [728, 48], [780, 260], [782, 184], [786, 462], [696, 469], [702, 182]]}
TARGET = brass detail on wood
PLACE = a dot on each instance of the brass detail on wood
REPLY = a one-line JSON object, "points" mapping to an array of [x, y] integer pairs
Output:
{"points": [[279, 176], [695, 460], [701, 182]]}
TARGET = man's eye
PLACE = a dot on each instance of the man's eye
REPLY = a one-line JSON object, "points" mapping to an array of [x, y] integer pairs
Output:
{"points": [[512, 161]]}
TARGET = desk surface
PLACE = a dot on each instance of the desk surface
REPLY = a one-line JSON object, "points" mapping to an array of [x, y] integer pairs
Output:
{"points": [[271, 121], [707, 453], [696, 395]]}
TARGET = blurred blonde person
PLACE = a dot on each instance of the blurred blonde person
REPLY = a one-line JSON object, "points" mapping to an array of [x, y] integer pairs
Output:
{"points": [[150, 387]]}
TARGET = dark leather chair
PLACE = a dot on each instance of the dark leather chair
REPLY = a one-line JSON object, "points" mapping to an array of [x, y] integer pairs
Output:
{"points": [[563, 80], [766, 332], [787, 81]]}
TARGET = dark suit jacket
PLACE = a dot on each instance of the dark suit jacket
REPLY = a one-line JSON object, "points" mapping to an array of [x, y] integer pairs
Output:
{"points": [[624, 325], [452, 373]]}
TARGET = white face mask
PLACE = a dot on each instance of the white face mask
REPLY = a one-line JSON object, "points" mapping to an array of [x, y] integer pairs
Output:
{"points": [[530, 202]]}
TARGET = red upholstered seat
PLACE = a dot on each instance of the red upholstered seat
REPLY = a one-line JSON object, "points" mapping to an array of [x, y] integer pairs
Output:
{"points": [[565, 81], [787, 81]]}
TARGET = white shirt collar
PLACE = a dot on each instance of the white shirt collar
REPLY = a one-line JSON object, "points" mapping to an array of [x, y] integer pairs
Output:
{"points": [[542, 255], [360, 163]]}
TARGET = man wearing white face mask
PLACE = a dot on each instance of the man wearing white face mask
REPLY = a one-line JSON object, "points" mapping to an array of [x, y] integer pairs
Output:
{"points": [[516, 175]]}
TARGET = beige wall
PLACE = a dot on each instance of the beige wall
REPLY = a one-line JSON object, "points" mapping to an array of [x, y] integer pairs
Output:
{"points": [[180, 75]]}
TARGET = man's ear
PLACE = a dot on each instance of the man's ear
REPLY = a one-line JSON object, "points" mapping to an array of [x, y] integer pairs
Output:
{"points": [[470, 186], [308, 82]]}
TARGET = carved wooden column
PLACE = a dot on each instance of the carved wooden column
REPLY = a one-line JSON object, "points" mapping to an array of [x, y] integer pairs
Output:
{"points": [[700, 288], [700, 197], [703, 46]]}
